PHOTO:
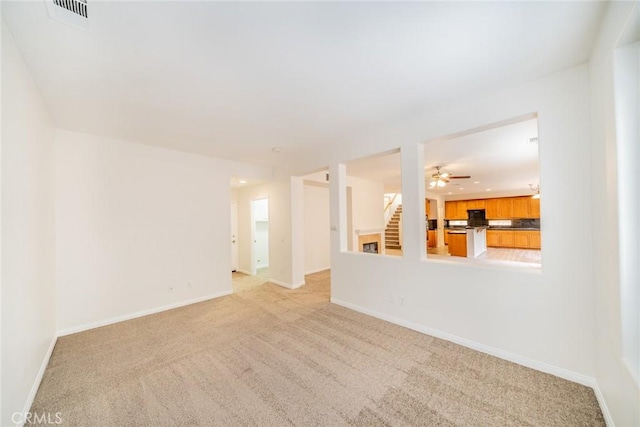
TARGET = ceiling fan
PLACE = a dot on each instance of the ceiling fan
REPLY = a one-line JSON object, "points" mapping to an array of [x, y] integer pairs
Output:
{"points": [[440, 179]]}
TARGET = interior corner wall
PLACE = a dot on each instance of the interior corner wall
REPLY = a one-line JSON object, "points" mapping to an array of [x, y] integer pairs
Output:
{"points": [[618, 388], [28, 236], [140, 229], [317, 244]]}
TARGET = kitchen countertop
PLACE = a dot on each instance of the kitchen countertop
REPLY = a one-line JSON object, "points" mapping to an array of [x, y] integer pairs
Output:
{"points": [[513, 228]]}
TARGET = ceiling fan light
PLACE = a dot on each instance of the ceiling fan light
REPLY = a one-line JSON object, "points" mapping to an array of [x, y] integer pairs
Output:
{"points": [[441, 183], [536, 196], [432, 184]]}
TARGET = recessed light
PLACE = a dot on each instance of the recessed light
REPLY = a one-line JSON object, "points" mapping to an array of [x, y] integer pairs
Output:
{"points": [[488, 189], [476, 182], [242, 181], [276, 149], [460, 188], [449, 192]]}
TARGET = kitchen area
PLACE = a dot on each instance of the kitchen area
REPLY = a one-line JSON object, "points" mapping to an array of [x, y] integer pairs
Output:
{"points": [[501, 228]]}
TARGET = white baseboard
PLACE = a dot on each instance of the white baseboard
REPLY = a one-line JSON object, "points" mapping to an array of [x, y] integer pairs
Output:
{"points": [[38, 380], [239, 270], [287, 285], [502, 354], [603, 406], [318, 270], [117, 319]]}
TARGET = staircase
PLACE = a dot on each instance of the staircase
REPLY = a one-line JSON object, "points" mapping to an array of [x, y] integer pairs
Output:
{"points": [[392, 233]]}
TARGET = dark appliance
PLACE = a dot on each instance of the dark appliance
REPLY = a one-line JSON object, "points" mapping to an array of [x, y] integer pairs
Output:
{"points": [[476, 218]]}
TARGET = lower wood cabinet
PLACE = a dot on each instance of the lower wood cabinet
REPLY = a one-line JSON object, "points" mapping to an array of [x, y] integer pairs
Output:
{"points": [[525, 239], [433, 239]]}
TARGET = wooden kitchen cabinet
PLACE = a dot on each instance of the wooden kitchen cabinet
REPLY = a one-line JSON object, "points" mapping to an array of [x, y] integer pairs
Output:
{"points": [[521, 239], [521, 207], [526, 207], [476, 204], [498, 208], [491, 206], [433, 239], [461, 209], [450, 208], [534, 240], [534, 207], [455, 209], [525, 239], [500, 238], [493, 239], [505, 207], [458, 245]]}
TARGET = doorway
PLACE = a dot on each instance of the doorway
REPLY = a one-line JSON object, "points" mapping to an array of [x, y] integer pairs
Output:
{"points": [[260, 231], [234, 236]]}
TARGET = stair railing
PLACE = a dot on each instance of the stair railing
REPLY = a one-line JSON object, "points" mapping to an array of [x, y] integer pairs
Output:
{"points": [[391, 207]]}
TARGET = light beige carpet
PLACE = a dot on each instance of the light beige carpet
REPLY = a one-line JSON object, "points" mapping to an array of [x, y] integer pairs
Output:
{"points": [[268, 356]]}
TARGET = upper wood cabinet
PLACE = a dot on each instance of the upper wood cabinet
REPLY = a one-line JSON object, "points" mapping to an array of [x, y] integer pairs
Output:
{"points": [[450, 209], [492, 209], [526, 207], [521, 207], [456, 209], [499, 208], [534, 207], [461, 209], [505, 207], [476, 204]]}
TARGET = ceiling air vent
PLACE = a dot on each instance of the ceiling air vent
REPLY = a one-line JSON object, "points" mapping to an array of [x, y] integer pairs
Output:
{"points": [[72, 12], [78, 7], [533, 140]]}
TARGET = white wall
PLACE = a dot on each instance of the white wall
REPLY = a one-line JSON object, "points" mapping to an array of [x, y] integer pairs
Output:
{"points": [[139, 228], [618, 387], [367, 198], [28, 250], [540, 318], [317, 242]]}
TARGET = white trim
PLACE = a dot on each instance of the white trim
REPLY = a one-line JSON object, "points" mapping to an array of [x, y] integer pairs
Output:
{"points": [[608, 419], [287, 285], [118, 319], [38, 380], [239, 270], [317, 270], [502, 354]]}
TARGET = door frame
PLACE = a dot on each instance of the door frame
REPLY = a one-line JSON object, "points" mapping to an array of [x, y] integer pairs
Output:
{"points": [[254, 269]]}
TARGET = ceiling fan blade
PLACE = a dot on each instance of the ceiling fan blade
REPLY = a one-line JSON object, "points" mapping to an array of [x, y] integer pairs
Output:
{"points": [[460, 177]]}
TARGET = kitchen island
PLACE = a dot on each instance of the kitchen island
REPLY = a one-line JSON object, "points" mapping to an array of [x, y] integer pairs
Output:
{"points": [[470, 243]]}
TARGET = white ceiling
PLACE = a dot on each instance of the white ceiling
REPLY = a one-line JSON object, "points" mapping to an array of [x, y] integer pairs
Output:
{"points": [[501, 159], [234, 80]]}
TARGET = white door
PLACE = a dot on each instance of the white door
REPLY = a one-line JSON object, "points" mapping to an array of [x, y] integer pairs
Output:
{"points": [[234, 236]]}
